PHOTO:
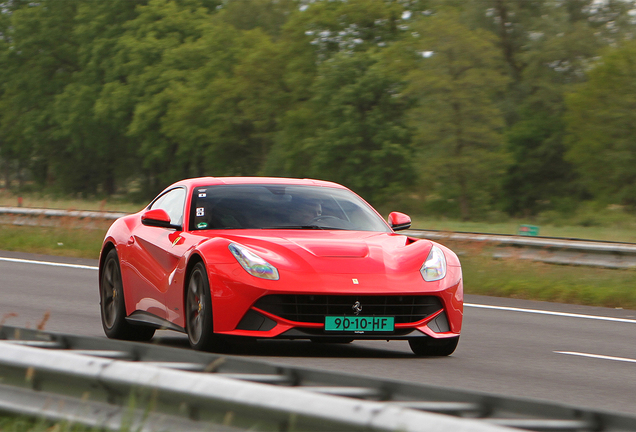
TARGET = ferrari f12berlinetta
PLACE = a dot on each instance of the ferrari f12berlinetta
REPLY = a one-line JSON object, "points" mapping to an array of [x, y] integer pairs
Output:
{"points": [[256, 257]]}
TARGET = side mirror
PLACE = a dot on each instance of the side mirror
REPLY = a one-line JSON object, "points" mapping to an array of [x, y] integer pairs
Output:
{"points": [[158, 218], [399, 221]]}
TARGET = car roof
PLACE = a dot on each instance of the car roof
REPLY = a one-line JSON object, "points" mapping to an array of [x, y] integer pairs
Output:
{"points": [[212, 181]]}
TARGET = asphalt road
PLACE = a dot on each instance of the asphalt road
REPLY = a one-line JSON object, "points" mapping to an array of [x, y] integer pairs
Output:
{"points": [[512, 349]]}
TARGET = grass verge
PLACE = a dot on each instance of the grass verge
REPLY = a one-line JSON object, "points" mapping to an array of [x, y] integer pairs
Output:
{"points": [[9, 199], [23, 424], [66, 241], [525, 279]]}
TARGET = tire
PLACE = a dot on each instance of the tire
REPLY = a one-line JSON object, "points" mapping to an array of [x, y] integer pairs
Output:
{"points": [[112, 306], [426, 346], [199, 324]]}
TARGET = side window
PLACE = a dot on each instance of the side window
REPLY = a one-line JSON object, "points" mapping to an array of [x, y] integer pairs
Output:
{"points": [[173, 203]]}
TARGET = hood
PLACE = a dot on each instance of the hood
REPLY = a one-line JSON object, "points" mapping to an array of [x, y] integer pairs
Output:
{"points": [[336, 252], [335, 248]]}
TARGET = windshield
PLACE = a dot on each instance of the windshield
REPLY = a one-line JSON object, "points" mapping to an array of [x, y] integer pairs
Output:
{"points": [[281, 207]]}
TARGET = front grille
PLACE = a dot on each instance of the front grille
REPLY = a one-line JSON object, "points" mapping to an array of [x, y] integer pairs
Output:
{"points": [[314, 308]]}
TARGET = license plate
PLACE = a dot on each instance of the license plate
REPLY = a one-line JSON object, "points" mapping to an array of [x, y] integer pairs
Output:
{"points": [[359, 324]]}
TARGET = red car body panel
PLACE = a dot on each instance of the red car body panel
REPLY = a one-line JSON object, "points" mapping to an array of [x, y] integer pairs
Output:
{"points": [[154, 263]]}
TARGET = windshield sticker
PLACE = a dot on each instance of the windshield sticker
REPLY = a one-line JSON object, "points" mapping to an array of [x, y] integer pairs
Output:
{"points": [[202, 225], [200, 211], [202, 195]]}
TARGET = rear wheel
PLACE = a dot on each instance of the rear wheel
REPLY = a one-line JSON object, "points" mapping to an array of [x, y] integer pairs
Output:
{"points": [[112, 306], [426, 346], [199, 324]]}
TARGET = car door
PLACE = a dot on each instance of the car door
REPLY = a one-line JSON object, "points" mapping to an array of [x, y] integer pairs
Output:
{"points": [[152, 254]]}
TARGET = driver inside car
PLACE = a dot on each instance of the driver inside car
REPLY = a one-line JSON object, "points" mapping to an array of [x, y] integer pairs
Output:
{"points": [[305, 213]]}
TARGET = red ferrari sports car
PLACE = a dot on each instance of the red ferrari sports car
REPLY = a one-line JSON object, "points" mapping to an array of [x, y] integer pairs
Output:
{"points": [[276, 258]]}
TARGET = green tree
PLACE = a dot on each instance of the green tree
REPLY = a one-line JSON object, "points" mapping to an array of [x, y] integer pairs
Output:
{"points": [[354, 25], [5, 150], [316, 31], [559, 48], [343, 120], [359, 136], [39, 58], [454, 74], [155, 55], [539, 178], [226, 111], [268, 15], [96, 150], [612, 20], [601, 127]]}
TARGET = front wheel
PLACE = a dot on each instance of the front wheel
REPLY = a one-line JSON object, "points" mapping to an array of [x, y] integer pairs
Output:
{"points": [[199, 324], [426, 346], [112, 306]]}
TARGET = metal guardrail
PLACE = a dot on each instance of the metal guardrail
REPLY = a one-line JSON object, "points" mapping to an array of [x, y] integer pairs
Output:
{"points": [[545, 249], [54, 217], [37, 212], [89, 380]]}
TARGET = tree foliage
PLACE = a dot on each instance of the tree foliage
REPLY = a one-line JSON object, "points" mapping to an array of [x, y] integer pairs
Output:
{"points": [[602, 127], [454, 74], [463, 106], [353, 130]]}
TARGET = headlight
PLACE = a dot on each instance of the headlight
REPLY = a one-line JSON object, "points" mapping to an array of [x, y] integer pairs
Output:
{"points": [[434, 267], [252, 263]]}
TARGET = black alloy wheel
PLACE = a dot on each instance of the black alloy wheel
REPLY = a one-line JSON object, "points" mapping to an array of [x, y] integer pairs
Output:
{"points": [[112, 306], [199, 324]]}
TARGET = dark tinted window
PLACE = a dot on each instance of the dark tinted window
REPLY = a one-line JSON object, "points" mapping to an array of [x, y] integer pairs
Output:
{"points": [[280, 206]]}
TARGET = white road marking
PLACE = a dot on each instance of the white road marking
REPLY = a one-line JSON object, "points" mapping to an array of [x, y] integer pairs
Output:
{"points": [[597, 356], [543, 312], [53, 264], [473, 305]]}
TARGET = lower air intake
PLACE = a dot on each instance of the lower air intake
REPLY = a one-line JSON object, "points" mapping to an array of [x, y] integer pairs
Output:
{"points": [[314, 308]]}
